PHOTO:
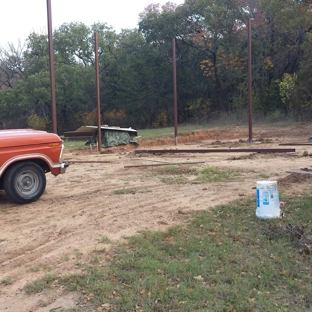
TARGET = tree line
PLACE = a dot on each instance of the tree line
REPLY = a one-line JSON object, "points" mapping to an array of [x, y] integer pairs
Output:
{"points": [[136, 82]]}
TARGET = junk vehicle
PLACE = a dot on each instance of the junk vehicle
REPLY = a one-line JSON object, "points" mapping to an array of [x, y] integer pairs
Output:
{"points": [[26, 155]]}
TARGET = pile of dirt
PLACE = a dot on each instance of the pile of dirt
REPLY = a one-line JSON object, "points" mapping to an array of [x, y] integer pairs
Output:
{"points": [[295, 178]]}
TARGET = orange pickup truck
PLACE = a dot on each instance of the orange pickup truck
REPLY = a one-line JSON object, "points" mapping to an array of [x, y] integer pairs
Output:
{"points": [[25, 156]]}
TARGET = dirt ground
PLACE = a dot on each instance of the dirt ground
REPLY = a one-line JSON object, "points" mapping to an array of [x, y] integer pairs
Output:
{"points": [[118, 193]]}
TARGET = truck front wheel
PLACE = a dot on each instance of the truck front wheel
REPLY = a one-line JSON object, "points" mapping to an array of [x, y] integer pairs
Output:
{"points": [[24, 182]]}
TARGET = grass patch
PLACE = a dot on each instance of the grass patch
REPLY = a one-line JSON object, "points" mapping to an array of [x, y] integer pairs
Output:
{"points": [[124, 191], [174, 180], [225, 259], [176, 174], [185, 174], [105, 240], [99, 250], [215, 174], [263, 176], [6, 281], [75, 144], [42, 267], [40, 284], [177, 170], [95, 260], [169, 131]]}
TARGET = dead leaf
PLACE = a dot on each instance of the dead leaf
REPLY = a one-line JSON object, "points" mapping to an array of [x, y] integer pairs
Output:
{"points": [[198, 278]]}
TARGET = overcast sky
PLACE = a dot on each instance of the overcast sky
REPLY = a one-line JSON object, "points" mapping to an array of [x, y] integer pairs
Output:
{"points": [[21, 17]]}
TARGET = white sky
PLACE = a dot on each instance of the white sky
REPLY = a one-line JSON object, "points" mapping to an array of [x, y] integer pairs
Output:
{"points": [[19, 18]]}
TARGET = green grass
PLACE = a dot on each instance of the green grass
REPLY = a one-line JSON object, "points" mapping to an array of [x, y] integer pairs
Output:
{"points": [[174, 180], [176, 170], [124, 191], [39, 285], [7, 281], [75, 144], [263, 176], [169, 131], [225, 259], [215, 174], [188, 174], [42, 267], [105, 240]]}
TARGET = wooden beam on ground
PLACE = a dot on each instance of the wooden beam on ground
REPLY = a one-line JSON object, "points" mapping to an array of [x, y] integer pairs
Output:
{"points": [[88, 162], [300, 172], [166, 164], [296, 143], [217, 150]]}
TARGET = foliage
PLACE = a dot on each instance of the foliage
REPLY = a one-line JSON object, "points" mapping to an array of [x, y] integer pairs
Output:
{"points": [[89, 118], [136, 86], [161, 120], [199, 108], [115, 117], [287, 88], [36, 122]]}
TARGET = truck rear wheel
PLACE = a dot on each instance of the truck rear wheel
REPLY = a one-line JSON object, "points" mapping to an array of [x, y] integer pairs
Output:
{"points": [[24, 182]]}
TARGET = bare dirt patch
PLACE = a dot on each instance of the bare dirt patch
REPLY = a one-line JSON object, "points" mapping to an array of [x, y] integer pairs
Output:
{"points": [[117, 193]]}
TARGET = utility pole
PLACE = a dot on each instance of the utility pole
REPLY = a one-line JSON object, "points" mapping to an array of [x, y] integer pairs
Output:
{"points": [[175, 100], [51, 60], [98, 97], [250, 80]]}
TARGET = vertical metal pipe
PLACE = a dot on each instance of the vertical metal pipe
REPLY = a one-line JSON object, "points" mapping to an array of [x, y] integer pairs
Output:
{"points": [[250, 80], [51, 60], [175, 101], [97, 80]]}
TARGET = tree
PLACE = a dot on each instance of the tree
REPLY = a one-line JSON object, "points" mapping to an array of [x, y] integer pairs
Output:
{"points": [[144, 79], [208, 27], [11, 65], [136, 65], [74, 74]]}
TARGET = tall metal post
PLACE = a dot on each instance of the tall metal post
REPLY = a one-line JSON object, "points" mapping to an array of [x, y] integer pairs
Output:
{"points": [[97, 79], [175, 101], [51, 61], [250, 80]]}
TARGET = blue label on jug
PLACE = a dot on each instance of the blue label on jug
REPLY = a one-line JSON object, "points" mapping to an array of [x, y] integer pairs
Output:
{"points": [[265, 197], [258, 197]]}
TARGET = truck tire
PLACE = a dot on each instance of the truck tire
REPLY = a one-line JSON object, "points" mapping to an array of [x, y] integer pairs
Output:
{"points": [[24, 182]]}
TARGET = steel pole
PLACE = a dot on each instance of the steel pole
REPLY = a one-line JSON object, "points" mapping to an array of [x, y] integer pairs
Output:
{"points": [[175, 101], [51, 61], [249, 80], [97, 80]]}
